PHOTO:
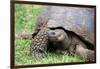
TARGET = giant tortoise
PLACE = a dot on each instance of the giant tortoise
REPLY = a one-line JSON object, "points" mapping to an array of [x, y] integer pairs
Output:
{"points": [[74, 23]]}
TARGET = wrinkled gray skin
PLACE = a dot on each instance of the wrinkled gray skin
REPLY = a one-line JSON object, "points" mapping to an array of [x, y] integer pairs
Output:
{"points": [[68, 43], [79, 21]]}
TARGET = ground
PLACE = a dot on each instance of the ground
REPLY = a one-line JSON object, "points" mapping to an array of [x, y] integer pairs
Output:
{"points": [[25, 18]]}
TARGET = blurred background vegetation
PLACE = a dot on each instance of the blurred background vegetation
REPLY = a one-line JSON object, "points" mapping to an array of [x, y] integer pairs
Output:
{"points": [[25, 19]]}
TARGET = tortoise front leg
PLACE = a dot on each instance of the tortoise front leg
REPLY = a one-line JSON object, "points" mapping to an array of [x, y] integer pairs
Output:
{"points": [[39, 44]]}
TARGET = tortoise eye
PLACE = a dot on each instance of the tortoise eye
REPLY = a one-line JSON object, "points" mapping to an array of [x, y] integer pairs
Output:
{"points": [[53, 33]]}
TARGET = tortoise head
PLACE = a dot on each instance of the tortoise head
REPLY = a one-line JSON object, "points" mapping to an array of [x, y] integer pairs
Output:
{"points": [[57, 35]]}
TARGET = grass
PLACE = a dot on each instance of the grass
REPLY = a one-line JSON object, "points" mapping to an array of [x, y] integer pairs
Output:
{"points": [[25, 19]]}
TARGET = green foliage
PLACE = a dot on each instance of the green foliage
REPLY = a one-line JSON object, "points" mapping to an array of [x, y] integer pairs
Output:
{"points": [[25, 19], [25, 16]]}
